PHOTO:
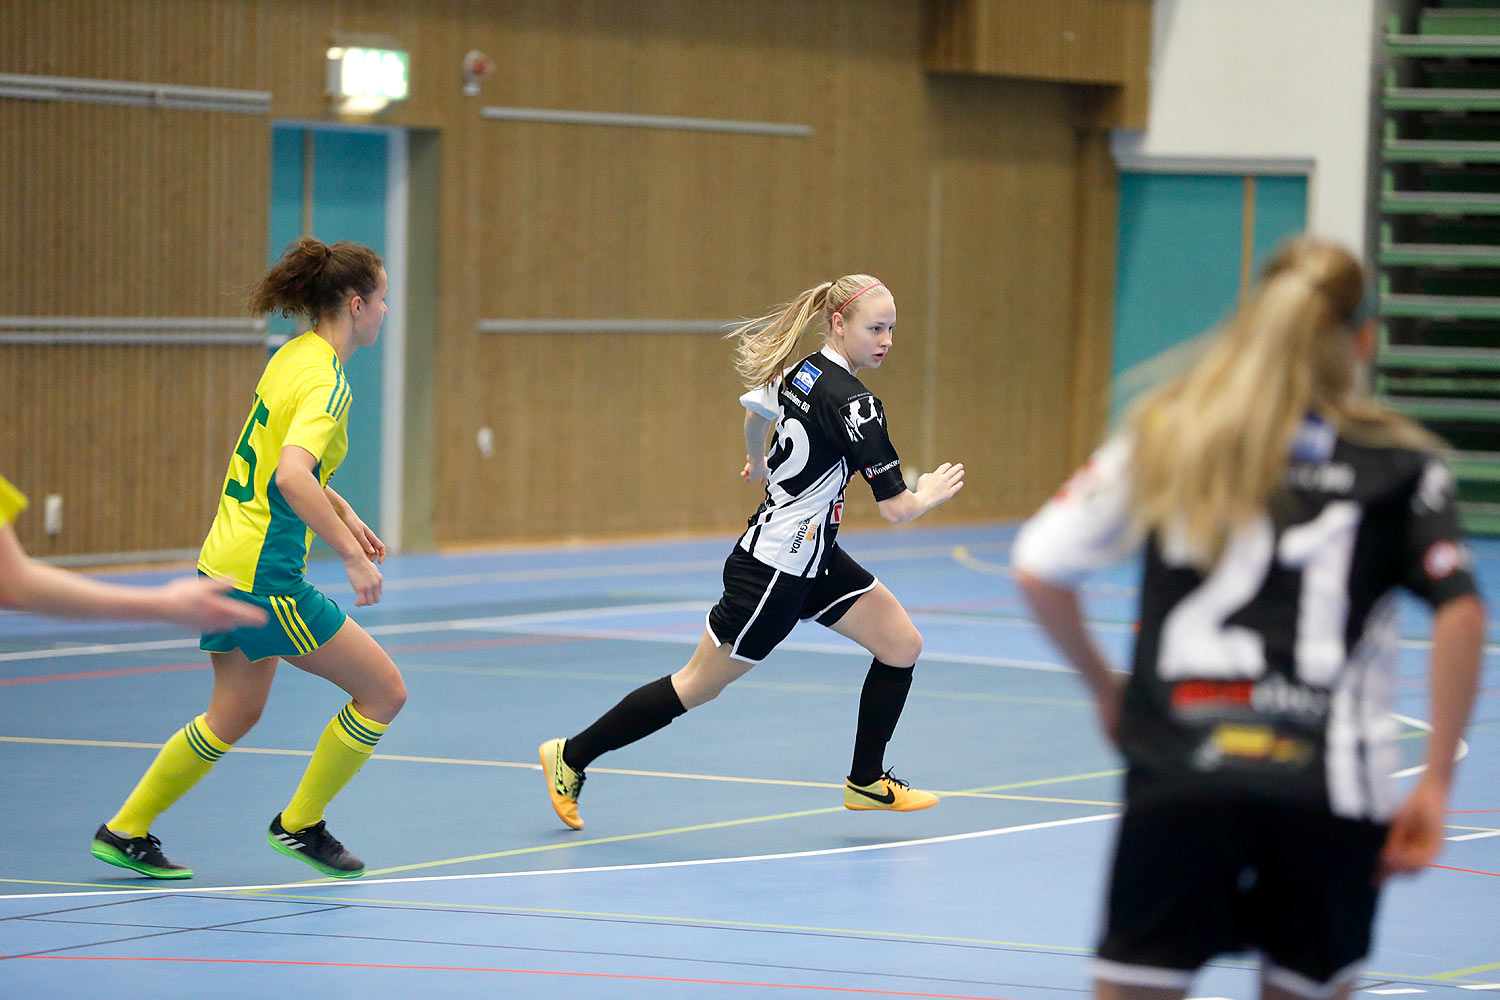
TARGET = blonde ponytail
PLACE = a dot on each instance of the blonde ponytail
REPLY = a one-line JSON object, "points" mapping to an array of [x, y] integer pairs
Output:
{"points": [[1210, 447], [767, 344]]}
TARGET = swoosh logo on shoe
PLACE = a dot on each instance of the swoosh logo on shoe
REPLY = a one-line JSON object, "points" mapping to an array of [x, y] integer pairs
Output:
{"points": [[888, 798]]}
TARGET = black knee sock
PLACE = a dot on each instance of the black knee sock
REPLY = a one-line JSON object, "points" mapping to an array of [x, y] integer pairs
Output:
{"points": [[880, 705], [637, 715]]}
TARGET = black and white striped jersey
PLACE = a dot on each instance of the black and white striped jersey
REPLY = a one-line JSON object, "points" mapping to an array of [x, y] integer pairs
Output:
{"points": [[1272, 674], [829, 428]]}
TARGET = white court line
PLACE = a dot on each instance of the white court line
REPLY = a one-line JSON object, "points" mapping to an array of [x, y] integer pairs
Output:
{"points": [[1460, 754], [626, 569], [693, 863], [980, 618], [851, 649], [106, 647], [606, 611], [962, 557], [536, 624], [1474, 836], [435, 625]]}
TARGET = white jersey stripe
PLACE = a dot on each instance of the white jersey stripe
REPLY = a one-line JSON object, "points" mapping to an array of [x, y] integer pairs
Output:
{"points": [[754, 615], [828, 427], [853, 593]]}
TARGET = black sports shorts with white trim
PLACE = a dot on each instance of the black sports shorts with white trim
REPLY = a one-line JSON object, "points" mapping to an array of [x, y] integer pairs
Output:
{"points": [[1196, 879], [761, 603]]}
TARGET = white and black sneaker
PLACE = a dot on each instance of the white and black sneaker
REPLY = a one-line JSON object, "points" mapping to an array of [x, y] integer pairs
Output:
{"points": [[317, 847], [139, 854]]}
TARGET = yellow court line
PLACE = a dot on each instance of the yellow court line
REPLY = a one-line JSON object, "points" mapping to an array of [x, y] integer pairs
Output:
{"points": [[126, 745], [1113, 804], [695, 921], [1455, 826], [962, 557], [38, 881], [982, 792], [619, 838], [986, 792], [1044, 781], [1491, 967], [696, 828]]}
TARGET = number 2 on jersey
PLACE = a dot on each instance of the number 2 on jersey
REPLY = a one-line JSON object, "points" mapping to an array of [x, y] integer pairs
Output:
{"points": [[246, 490], [1197, 642], [791, 452]]}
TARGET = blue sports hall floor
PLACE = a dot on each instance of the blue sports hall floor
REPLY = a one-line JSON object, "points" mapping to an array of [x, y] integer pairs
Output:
{"points": [[717, 860]]}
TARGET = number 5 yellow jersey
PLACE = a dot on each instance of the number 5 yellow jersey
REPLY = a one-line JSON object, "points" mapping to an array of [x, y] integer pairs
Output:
{"points": [[257, 542]]}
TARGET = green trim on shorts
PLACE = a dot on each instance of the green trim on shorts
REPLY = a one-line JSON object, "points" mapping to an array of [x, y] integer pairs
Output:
{"points": [[297, 623]]}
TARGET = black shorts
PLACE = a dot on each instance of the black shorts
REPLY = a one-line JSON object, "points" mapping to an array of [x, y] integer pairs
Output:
{"points": [[1192, 880], [761, 603]]}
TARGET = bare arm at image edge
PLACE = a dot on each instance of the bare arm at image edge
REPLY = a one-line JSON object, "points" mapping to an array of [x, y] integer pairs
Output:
{"points": [[29, 585], [1458, 634]]}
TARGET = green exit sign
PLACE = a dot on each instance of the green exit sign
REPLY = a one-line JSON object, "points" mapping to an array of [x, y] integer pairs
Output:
{"points": [[367, 75]]}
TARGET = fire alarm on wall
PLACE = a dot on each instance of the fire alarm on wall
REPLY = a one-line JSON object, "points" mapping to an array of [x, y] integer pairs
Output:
{"points": [[477, 66]]}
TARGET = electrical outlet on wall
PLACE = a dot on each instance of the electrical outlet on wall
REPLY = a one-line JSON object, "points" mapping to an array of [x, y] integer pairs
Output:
{"points": [[52, 513]]}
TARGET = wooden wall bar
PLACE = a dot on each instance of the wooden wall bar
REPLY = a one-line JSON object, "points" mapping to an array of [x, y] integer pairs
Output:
{"points": [[1071, 41], [972, 198]]}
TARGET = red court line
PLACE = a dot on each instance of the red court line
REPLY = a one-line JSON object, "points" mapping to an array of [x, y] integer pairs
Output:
{"points": [[88, 675], [518, 640], [1471, 871], [519, 972]]}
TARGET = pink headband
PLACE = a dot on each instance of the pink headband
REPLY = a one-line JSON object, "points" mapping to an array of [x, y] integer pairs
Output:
{"points": [[876, 284]]}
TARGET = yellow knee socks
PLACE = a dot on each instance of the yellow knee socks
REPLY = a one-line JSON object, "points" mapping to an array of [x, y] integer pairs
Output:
{"points": [[187, 756], [346, 743]]}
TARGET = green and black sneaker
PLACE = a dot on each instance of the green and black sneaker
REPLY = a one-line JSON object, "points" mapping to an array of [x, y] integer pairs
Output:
{"points": [[139, 854], [317, 847]]}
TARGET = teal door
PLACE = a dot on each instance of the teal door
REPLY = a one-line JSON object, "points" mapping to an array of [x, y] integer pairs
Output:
{"points": [[1186, 244], [331, 183]]}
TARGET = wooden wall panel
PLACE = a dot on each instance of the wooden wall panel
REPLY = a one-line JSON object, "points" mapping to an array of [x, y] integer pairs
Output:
{"points": [[125, 211], [164, 213], [134, 439], [590, 222], [1097, 199], [1069, 41], [116, 211], [1006, 159]]}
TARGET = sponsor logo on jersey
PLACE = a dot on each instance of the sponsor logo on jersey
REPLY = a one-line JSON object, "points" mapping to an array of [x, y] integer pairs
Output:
{"points": [[1326, 477], [1233, 743], [1436, 489], [871, 471], [1444, 558], [806, 532], [806, 376], [838, 512], [1191, 697], [859, 412], [1274, 695], [1314, 440]]}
